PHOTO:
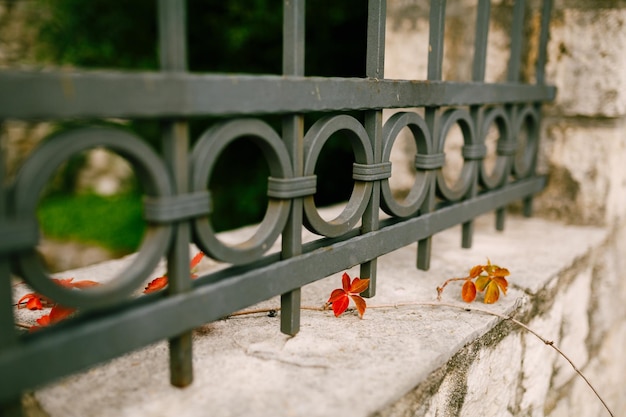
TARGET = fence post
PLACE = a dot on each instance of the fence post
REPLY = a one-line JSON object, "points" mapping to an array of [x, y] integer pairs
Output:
{"points": [[293, 133], [175, 140], [7, 321], [435, 60]]}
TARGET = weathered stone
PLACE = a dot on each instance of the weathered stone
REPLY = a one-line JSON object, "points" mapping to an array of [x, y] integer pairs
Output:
{"points": [[586, 61], [587, 176]]}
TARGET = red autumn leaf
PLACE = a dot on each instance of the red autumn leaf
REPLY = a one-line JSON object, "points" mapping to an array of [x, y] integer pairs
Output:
{"points": [[156, 285], [196, 260], [161, 282], [340, 297], [70, 283], [32, 300], [35, 301], [468, 292], [57, 314], [43, 321], [340, 305]]}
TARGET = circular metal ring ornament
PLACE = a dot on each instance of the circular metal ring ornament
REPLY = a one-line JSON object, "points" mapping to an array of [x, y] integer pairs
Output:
{"points": [[204, 157], [423, 143], [498, 176], [524, 164], [35, 174], [314, 141], [462, 186]]}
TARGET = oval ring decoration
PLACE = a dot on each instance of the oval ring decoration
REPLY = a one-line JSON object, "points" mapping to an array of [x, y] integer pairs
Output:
{"points": [[203, 159], [314, 141], [523, 164], [423, 144], [462, 186], [39, 168], [505, 147]]}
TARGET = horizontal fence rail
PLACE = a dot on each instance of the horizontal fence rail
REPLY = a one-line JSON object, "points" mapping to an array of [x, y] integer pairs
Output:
{"points": [[68, 95], [177, 202]]}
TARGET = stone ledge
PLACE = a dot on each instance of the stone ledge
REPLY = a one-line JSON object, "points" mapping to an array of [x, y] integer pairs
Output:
{"points": [[410, 360]]}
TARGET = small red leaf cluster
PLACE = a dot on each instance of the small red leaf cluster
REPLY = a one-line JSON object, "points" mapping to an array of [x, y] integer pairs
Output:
{"points": [[159, 283], [488, 278], [34, 301], [340, 298]]}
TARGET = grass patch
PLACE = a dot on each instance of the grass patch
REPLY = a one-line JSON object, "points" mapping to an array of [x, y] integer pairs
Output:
{"points": [[114, 222]]}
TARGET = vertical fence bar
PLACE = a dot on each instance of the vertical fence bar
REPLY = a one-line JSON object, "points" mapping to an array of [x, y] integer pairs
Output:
{"points": [[437, 21], [543, 42], [483, 14], [175, 140], [517, 29], [293, 134], [374, 68], [513, 75], [7, 320], [540, 73]]}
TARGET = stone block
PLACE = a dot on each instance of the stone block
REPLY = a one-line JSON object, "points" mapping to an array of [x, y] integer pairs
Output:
{"points": [[586, 61], [539, 360], [492, 379], [574, 327], [587, 176]]}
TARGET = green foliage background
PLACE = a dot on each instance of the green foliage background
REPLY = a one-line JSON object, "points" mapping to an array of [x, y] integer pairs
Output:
{"points": [[243, 36]]}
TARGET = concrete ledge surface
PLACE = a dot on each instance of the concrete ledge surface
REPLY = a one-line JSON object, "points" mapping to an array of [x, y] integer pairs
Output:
{"points": [[244, 366]]}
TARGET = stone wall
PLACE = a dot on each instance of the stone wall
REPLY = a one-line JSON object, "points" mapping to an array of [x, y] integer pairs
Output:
{"points": [[583, 149], [584, 140], [584, 130], [509, 372]]}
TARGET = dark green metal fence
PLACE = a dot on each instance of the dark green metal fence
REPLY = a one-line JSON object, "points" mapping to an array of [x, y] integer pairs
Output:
{"points": [[177, 201]]}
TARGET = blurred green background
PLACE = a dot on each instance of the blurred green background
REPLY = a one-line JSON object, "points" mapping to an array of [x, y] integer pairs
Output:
{"points": [[243, 36]]}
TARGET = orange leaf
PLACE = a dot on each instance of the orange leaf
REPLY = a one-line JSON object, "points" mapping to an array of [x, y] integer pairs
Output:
{"points": [[475, 271], [44, 320], [59, 313], [501, 272], [64, 282], [34, 304], [339, 297], [340, 305], [68, 282], [156, 285], [492, 293], [345, 282], [482, 282], [336, 295], [502, 283], [468, 292], [84, 284], [359, 285], [196, 260], [360, 304], [32, 300]]}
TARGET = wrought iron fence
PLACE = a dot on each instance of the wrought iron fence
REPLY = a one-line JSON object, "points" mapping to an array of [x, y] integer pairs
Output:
{"points": [[177, 202]]}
